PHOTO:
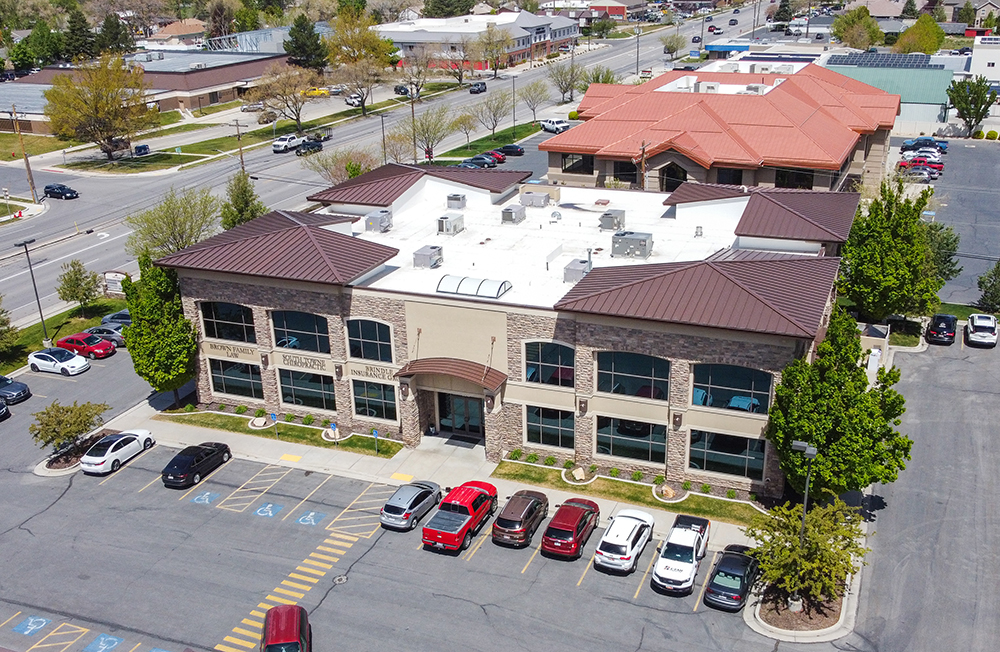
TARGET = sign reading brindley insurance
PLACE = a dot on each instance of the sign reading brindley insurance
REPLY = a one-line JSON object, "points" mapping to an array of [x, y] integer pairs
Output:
{"points": [[230, 351], [372, 372], [307, 362]]}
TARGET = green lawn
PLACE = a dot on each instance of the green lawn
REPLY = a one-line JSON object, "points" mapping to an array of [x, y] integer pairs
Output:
{"points": [[436, 87], [721, 510], [61, 325], [286, 432], [179, 129], [215, 108], [131, 165], [501, 138], [959, 310], [34, 145], [170, 117]]}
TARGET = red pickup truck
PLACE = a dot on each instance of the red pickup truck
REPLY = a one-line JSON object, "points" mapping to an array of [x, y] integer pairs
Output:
{"points": [[463, 511]]}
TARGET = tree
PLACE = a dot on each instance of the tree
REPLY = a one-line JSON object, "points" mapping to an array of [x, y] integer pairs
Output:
{"points": [[242, 203], [114, 37], [432, 126], [138, 15], [387, 11], [938, 14], [909, 10], [100, 102], [338, 165], [414, 70], [857, 29], [46, 44], [828, 403], [22, 56], [63, 425], [178, 222], [79, 285], [990, 22], [447, 8], [79, 40], [9, 333], [601, 28], [943, 243], [398, 145], [221, 15], [162, 343], [972, 100], [967, 14], [596, 75], [888, 268], [673, 43], [465, 122], [361, 78], [534, 95], [817, 570], [456, 57], [304, 47], [924, 36], [564, 77], [493, 45], [491, 111], [354, 40], [784, 13], [247, 19], [351, 6], [989, 285], [281, 88]]}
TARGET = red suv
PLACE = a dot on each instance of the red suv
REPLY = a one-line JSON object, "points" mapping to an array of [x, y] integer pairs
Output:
{"points": [[571, 527], [87, 344], [286, 629]]}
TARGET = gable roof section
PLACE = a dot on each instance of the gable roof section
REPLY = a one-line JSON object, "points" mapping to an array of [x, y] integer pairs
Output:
{"points": [[813, 216], [688, 193], [285, 245], [725, 294]]}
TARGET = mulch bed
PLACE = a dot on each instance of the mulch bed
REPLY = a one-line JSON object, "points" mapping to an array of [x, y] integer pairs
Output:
{"points": [[72, 456], [774, 611]]}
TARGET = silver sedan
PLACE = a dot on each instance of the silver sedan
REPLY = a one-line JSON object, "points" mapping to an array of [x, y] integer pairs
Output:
{"points": [[408, 505]]}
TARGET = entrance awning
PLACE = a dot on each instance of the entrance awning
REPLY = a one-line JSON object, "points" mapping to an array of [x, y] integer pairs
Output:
{"points": [[488, 378]]}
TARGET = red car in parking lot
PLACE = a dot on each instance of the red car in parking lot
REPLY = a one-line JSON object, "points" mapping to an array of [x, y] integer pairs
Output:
{"points": [[571, 527], [920, 160], [87, 344]]}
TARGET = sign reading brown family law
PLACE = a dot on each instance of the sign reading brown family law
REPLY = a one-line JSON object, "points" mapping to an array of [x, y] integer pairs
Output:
{"points": [[373, 372], [231, 351], [304, 362]]}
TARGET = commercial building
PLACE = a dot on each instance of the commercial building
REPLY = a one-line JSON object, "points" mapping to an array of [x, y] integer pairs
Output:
{"points": [[635, 330]]}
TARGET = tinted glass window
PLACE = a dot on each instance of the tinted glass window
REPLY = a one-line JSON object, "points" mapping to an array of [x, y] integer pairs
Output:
{"points": [[612, 548], [549, 363], [300, 330], [559, 534], [370, 340], [228, 321], [236, 378], [633, 374], [508, 523], [374, 400], [729, 386], [550, 427], [100, 449], [720, 453], [283, 647], [727, 581], [633, 439], [305, 388]]}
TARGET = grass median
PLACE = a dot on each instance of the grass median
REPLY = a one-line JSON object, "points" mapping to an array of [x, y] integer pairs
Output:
{"points": [[34, 145], [286, 432], [132, 165], [499, 139], [627, 492]]}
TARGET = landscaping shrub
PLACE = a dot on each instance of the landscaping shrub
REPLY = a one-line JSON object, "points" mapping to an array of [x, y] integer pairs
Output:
{"points": [[978, 135], [326, 423], [658, 479], [307, 420], [569, 464], [593, 469], [532, 458], [613, 472], [240, 409], [991, 135], [686, 485], [259, 412], [515, 454], [552, 55], [289, 418], [573, 115], [549, 461], [637, 476], [753, 497], [706, 488], [731, 493], [189, 408], [221, 408]]}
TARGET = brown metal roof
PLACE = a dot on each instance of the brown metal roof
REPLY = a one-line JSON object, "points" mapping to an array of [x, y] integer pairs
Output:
{"points": [[815, 216], [285, 245], [488, 378], [687, 193], [780, 295], [384, 185]]}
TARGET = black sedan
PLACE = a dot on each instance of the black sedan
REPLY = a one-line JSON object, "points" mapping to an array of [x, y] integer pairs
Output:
{"points": [[193, 463], [58, 190], [12, 392], [942, 329], [111, 332], [511, 150], [732, 579]]}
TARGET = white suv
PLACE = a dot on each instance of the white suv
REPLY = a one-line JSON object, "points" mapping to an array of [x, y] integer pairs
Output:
{"points": [[285, 143], [981, 329], [353, 100], [624, 540], [555, 126]]}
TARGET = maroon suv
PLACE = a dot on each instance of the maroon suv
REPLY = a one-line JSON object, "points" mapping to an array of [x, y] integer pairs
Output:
{"points": [[571, 527], [520, 517]]}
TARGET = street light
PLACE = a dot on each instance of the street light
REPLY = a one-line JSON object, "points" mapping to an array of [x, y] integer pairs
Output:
{"points": [[385, 160], [637, 31], [795, 603], [46, 342]]}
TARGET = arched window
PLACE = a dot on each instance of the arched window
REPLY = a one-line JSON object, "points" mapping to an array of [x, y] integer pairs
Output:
{"points": [[732, 387], [228, 321], [300, 330], [369, 340], [549, 363], [633, 374]]}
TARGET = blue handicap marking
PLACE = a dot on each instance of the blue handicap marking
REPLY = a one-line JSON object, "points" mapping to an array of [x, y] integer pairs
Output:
{"points": [[30, 625], [156, 649], [310, 518], [274, 417], [268, 509], [103, 643], [204, 498]]}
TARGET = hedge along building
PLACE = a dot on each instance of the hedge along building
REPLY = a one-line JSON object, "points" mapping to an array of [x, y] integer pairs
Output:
{"points": [[629, 329]]}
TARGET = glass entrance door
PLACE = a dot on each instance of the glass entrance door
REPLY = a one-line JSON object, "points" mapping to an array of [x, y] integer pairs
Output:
{"points": [[460, 414]]}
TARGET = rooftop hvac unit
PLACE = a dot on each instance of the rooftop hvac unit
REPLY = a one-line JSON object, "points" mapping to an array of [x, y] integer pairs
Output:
{"points": [[428, 257], [158, 56], [784, 69], [630, 244], [758, 89], [576, 270], [380, 220], [760, 68], [730, 67], [706, 87], [513, 214], [451, 224], [613, 219], [144, 56], [456, 201], [198, 65], [537, 199]]}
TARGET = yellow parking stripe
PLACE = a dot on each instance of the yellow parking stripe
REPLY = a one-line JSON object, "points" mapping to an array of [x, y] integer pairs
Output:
{"points": [[704, 585], [317, 563], [195, 486], [303, 578], [264, 605], [589, 564], [238, 641], [326, 549], [475, 548], [257, 614], [149, 485], [134, 647], [295, 509], [652, 559], [226, 648], [296, 585], [134, 459], [10, 619], [311, 570], [246, 632], [252, 623], [324, 557], [537, 548], [346, 537], [281, 600], [294, 594], [63, 636]]}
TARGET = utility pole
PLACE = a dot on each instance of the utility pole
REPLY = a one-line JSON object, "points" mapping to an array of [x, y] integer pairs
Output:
{"points": [[239, 140], [513, 106], [413, 119], [385, 158], [24, 153], [638, 31]]}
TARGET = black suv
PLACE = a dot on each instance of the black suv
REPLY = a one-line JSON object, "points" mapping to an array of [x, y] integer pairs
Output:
{"points": [[401, 89], [942, 328], [309, 147], [60, 191], [477, 87]]}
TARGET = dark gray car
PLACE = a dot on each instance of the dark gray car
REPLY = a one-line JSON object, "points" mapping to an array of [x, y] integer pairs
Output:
{"points": [[410, 502], [11, 391], [111, 332], [121, 317]]}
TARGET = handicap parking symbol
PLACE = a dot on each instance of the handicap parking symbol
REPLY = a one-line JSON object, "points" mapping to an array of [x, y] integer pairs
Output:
{"points": [[310, 518], [30, 625], [103, 643], [156, 649], [204, 498], [268, 509]]}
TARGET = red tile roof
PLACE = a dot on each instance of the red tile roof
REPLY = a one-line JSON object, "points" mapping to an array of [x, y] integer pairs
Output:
{"points": [[488, 378], [285, 245], [777, 294], [811, 119], [384, 185]]}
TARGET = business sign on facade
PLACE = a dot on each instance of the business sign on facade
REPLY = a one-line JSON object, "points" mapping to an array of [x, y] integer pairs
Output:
{"points": [[310, 363], [372, 372], [230, 352]]}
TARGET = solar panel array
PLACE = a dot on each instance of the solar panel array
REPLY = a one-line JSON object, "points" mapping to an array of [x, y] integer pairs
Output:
{"points": [[875, 60]]}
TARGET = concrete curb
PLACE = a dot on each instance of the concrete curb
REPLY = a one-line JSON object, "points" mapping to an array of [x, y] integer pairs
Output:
{"points": [[43, 471], [843, 627]]}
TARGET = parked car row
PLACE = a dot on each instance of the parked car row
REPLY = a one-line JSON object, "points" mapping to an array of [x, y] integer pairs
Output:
{"points": [[492, 158], [921, 159], [980, 330]]}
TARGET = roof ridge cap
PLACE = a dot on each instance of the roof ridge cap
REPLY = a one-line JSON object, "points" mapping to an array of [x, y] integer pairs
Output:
{"points": [[730, 131], [715, 266], [308, 230], [773, 197]]}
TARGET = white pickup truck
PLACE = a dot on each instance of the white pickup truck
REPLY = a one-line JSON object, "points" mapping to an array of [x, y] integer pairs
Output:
{"points": [[286, 143], [681, 554]]}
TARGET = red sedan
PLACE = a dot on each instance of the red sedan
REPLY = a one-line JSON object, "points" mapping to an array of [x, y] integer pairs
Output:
{"points": [[497, 156], [570, 528], [920, 160], [87, 344]]}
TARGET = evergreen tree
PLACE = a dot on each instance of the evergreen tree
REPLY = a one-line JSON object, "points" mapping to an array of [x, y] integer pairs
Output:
{"points": [[967, 14], [8, 332], [784, 13], [939, 14], [114, 36], [242, 203], [79, 40], [447, 8], [46, 44], [909, 10], [989, 285], [304, 47]]}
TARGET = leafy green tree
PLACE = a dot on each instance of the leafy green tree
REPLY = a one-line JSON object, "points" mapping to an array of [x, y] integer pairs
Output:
{"points": [[22, 56], [817, 570], [938, 14], [990, 22], [447, 8], [493, 45], [178, 222], [79, 285], [888, 268], [828, 403], [246, 19], [989, 285], [673, 43], [242, 203], [909, 10], [432, 126], [162, 343], [304, 47], [534, 95], [79, 40], [784, 13], [338, 165], [601, 28], [597, 75], [281, 89], [351, 6], [924, 36], [63, 425], [9, 333], [465, 123], [46, 44], [354, 40], [857, 29], [943, 242], [967, 14], [114, 36], [972, 100]]}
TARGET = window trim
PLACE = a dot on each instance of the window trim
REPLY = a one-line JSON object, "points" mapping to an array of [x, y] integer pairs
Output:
{"points": [[274, 332], [281, 390], [395, 401], [252, 324], [658, 401], [215, 392], [524, 364], [392, 337], [525, 424], [720, 474]]}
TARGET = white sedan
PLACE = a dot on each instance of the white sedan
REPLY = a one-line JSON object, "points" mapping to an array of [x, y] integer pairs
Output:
{"points": [[107, 455], [629, 532], [982, 330], [59, 361]]}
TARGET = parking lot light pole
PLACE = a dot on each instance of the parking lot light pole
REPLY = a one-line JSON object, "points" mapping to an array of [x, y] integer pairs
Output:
{"points": [[795, 602], [46, 342]]}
